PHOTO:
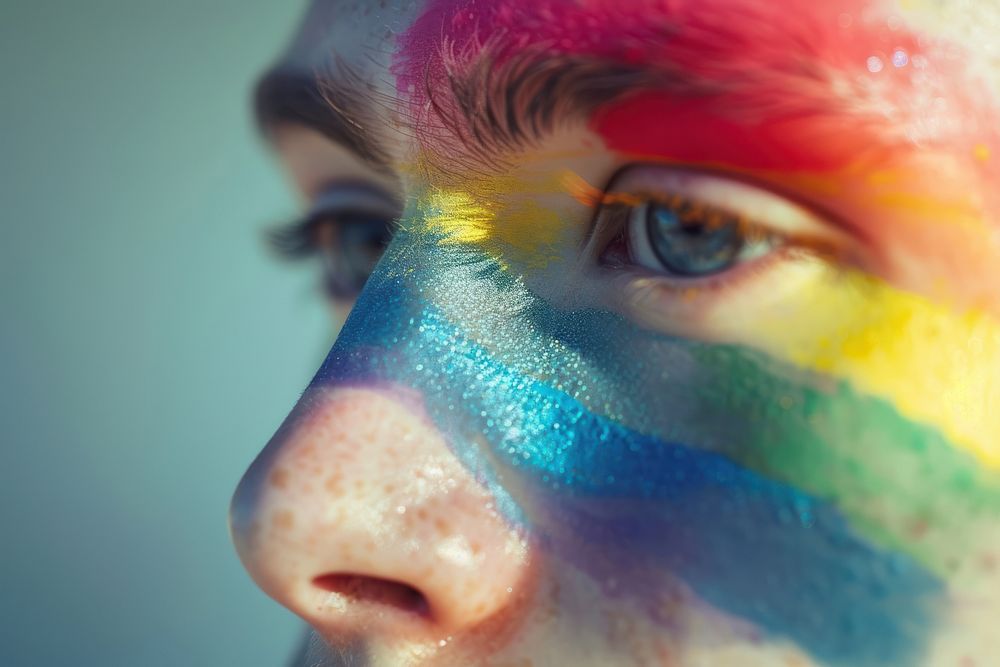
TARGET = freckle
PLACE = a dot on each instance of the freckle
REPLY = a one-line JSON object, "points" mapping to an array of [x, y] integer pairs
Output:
{"points": [[279, 478], [475, 548], [441, 525], [989, 562], [918, 529], [284, 520], [389, 488], [333, 485], [422, 514]]}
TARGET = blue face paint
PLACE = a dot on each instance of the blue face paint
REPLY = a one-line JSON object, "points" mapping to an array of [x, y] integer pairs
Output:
{"points": [[603, 485]]}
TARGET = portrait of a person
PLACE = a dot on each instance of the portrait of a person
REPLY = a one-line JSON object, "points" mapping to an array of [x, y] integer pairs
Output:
{"points": [[670, 334]]}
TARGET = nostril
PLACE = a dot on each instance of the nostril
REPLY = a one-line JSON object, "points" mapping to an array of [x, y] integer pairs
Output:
{"points": [[376, 591]]}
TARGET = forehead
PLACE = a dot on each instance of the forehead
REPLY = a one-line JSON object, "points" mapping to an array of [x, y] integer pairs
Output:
{"points": [[364, 32], [358, 32]]}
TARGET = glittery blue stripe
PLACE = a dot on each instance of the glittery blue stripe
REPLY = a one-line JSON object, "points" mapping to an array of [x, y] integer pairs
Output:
{"points": [[752, 547]]}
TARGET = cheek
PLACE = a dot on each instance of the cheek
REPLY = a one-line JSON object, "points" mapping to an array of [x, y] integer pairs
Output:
{"points": [[853, 391], [936, 365], [933, 363]]}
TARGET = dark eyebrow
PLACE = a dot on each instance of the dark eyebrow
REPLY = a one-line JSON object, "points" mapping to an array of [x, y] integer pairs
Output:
{"points": [[496, 109], [495, 103], [337, 107]]}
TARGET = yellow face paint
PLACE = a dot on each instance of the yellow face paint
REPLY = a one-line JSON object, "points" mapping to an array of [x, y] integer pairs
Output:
{"points": [[506, 216], [938, 366]]}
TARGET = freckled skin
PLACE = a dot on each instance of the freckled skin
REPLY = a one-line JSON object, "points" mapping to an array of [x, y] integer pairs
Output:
{"points": [[408, 496], [829, 492]]}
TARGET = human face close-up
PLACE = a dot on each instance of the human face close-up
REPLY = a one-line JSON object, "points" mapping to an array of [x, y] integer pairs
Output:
{"points": [[685, 347]]}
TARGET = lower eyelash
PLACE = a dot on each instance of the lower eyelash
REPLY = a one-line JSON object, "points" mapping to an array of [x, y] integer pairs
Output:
{"points": [[615, 254], [616, 257], [717, 282]]}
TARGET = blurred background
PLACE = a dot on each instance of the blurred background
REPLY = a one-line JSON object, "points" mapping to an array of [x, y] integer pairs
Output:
{"points": [[148, 344]]}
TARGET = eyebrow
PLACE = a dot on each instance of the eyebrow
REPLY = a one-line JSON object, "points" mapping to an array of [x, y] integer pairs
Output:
{"points": [[489, 88], [495, 108], [335, 105]]}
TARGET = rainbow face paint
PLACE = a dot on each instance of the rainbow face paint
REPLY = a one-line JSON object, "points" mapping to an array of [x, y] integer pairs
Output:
{"points": [[772, 490], [790, 561], [803, 445]]}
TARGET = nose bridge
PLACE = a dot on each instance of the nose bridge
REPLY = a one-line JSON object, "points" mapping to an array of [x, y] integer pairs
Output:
{"points": [[398, 337], [467, 352]]}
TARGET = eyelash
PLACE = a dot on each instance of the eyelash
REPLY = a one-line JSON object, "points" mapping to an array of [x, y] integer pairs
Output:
{"points": [[301, 239], [294, 240], [617, 254]]}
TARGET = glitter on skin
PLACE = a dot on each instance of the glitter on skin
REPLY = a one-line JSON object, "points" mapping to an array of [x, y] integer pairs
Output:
{"points": [[827, 439], [858, 329], [691, 511]]}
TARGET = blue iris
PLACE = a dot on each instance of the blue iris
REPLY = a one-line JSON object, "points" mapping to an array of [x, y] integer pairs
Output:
{"points": [[695, 247]]}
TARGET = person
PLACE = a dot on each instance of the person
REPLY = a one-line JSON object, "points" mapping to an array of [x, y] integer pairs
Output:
{"points": [[685, 347]]}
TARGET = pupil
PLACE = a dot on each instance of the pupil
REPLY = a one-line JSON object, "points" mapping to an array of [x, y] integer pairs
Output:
{"points": [[692, 247]]}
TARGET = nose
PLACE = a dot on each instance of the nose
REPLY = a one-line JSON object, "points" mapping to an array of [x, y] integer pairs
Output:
{"points": [[358, 518]]}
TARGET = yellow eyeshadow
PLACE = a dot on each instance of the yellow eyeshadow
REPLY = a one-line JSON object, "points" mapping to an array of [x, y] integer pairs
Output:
{"points": [[457, 217], [501, 215]]}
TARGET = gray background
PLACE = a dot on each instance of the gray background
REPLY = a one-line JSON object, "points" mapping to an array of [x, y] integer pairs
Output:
{"points": [[148, 344]]}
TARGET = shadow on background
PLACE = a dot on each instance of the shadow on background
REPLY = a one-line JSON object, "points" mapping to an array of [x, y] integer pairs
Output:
{"points": [[148, 346]]}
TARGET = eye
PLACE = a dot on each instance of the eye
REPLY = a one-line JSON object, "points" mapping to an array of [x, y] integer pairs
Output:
{"points": [[688, 239], [695, 228], [350, 245], [348, 228]]}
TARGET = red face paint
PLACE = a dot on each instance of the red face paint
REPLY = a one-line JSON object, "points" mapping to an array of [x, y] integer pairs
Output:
{"points": [[658, 126], [792, 85]]}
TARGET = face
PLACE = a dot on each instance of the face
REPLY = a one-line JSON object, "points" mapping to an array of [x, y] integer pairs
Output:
{"points": [[685, 349]]}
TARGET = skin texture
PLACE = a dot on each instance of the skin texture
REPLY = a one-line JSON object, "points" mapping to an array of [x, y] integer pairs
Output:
{"points": [[533, 443]]}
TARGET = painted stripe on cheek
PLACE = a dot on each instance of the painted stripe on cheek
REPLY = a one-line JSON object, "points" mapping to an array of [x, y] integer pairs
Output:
{"points": [[937, 366], [754, 547]]}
